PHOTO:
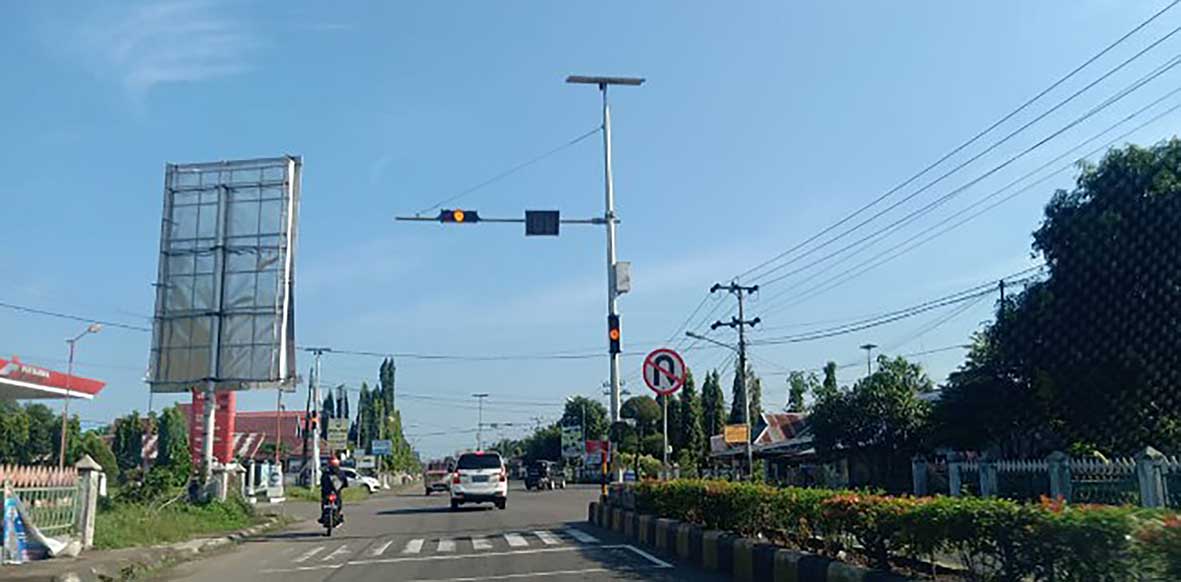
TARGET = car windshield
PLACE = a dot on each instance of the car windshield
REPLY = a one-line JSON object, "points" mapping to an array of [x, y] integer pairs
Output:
{"points": [[470, 462]]}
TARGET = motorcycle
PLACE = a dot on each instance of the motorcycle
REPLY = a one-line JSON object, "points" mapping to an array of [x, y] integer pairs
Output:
{"points": [[329, 514]]}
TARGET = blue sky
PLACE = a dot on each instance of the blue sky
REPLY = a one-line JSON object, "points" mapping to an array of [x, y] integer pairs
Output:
{"points": [[760, 124]]}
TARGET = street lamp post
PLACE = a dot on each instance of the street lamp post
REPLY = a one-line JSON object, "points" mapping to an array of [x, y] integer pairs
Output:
{"points": [[868, 358], [92, 328], [609, 217], [480, 420]]}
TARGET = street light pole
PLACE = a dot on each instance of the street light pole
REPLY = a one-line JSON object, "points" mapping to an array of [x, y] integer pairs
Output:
{"points": [[72, 342], [868, 358], [609, 218], [480, 420]]}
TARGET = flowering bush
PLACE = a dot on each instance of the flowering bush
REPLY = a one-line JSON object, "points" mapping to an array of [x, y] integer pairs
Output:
{"points": [[995, 540]]}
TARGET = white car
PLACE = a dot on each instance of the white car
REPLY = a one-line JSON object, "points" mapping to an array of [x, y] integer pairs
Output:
{"points": [[479, 477], [355, 478]]}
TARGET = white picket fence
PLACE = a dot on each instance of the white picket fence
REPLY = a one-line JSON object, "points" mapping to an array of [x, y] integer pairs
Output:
{"points": [[1150, 479]]}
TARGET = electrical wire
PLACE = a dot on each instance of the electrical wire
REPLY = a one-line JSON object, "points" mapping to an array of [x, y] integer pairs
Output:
{"points": [[979, 135], [60, 315], [510, 171]]}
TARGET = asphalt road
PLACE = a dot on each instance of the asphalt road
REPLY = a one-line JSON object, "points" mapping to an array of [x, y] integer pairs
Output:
{"points": [[412, 537]]}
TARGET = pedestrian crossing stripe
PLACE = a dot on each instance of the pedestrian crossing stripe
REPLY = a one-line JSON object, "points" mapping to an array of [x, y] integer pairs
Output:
{"points": [[481, 544], [308, 554], [582, 536], [446, 545], [413, 547], [380, 549], [547, 538], [515, 540], [341, 551]]}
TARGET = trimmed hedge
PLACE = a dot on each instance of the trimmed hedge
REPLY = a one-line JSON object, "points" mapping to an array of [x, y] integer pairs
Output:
{"points": [[994, 539]]}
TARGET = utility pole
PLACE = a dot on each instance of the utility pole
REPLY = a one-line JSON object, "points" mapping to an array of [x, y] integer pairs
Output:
{"points": [[741, 322], [480, 420], [1001, 284], [868, 358], [315, 388]]}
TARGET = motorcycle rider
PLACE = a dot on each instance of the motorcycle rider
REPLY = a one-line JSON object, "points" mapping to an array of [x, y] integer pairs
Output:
{"points": [[333, 481]]}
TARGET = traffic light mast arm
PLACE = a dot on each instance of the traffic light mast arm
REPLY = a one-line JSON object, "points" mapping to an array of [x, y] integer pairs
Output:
{"points": [[596, 220]]}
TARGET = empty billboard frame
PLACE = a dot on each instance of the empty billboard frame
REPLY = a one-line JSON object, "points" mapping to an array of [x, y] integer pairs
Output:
{"points": [[225, 314]]}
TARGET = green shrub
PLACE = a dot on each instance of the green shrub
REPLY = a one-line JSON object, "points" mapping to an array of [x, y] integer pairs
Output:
{"points": [[997, 540]]}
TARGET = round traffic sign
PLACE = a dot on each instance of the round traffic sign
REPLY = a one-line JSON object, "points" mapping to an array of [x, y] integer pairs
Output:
{"points": [[664, 371]]}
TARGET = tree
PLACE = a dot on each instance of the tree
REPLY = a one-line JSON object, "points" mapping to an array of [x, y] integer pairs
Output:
{"points": [[385, 382], [692, 439], [1086, 358], [44, 434], [828, 388], [713, 405], [328, 411], [14, 432], [596, 416], [753, 387], [128, 442], [645, 411], [880, 420], [172, 447], [96, 447], [545, 444], [799, 385]]}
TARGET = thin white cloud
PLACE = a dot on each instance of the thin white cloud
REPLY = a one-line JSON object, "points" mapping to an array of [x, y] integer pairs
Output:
{"points": [[180, 41]]}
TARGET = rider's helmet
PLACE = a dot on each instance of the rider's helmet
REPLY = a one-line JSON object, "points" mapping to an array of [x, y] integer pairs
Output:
{"points": [[334, 463]]}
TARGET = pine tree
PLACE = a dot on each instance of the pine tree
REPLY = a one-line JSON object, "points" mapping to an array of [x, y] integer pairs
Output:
{"points": [[328, 411], [173, 446], [828, 388], [713, 404], [737, 397], [691, 438], [128, 444]]}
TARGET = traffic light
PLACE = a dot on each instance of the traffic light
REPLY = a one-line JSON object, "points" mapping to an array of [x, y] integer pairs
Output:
{"points": [[614, 334], [458, 216]]}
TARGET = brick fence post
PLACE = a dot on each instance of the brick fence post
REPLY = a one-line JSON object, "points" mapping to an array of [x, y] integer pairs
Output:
{"points": [[89, 475]]}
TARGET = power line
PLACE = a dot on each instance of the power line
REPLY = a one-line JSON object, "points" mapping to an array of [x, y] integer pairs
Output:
{"points": [[976, 137], [857, 270], [913, 215], [60, 315], [511, 171]]}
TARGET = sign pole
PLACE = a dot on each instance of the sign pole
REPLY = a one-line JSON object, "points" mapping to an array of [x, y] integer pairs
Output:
{"points": [[665, 450]]}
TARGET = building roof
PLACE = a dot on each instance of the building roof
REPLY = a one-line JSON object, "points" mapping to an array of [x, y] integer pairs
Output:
{"points": [[780, 430]]}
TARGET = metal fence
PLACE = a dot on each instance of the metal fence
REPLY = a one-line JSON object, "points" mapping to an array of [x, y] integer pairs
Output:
{"points": [[50, 496], [1022, 480], [1107, 482]]}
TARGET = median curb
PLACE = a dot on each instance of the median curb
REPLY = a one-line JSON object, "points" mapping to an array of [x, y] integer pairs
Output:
{"points": [[745, 559]]}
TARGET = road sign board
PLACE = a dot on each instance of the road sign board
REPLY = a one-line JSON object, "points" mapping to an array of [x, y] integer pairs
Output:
{"points": [[366, 461], [338, 433], [381, 447], [736, 433], [664, 371], [542, 222], [571, 442]]}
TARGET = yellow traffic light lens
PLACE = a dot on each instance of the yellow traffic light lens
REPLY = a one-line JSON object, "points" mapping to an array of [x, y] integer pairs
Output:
{"points": [[457, 215], [613, 334]]}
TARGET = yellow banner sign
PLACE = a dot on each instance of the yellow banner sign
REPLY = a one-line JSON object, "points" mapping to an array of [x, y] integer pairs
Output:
{"points": [[736, 433]]}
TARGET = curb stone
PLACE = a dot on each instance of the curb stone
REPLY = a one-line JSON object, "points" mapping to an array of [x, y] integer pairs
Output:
{"points": [[745, 559]]}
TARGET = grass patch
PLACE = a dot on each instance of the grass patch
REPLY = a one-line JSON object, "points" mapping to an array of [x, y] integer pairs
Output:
{"points": [[124, 525], [349, 494]]}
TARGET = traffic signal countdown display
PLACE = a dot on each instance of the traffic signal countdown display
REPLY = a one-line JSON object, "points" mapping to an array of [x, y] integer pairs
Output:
{"points": [[613, 333]]}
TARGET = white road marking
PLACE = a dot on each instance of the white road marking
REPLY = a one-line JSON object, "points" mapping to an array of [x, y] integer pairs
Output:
{"points": [[446, 545], [341, 551], [515, 540], [657, 563], [582, 536], [547, 538], [308, 554], [413, 547], [660, 563], [379, 550], [481, 544], [526, 575]]}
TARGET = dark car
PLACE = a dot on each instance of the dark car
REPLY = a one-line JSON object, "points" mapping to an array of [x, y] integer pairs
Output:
{"points": [[544, 475]]}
